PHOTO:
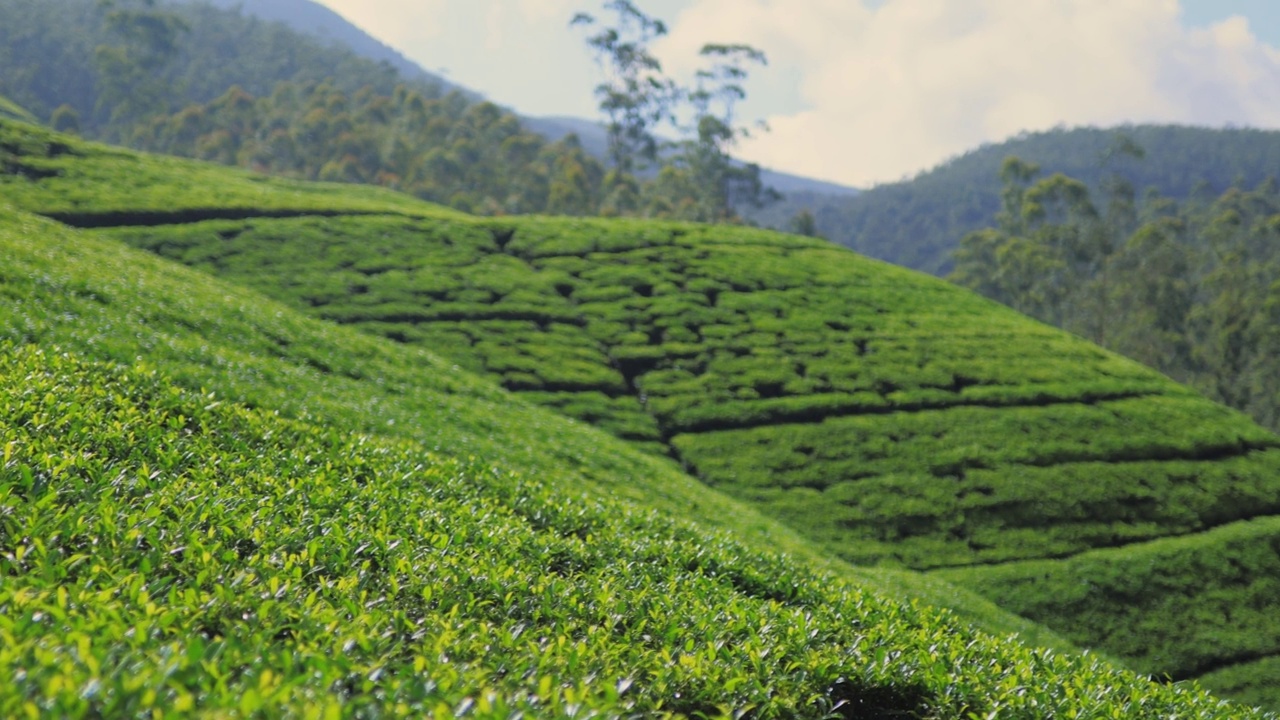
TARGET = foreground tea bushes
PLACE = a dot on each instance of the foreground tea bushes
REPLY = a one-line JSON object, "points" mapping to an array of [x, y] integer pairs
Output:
{"points": [[164, 553]]}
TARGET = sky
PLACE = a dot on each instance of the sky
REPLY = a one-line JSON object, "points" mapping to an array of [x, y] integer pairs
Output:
{"points": [[868, 91]]}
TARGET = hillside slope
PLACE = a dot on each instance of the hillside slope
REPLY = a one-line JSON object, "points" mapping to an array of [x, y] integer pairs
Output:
{"points": [[199, 333], [394, 580], [888, 416]]}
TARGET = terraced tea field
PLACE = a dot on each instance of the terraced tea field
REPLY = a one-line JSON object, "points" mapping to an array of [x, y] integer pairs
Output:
{"points": [[888, 417], [303, 535]]}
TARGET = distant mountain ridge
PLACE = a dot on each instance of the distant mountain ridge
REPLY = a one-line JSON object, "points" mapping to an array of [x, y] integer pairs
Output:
{"points": [[319, 21], [918, 223], [314, 19]]}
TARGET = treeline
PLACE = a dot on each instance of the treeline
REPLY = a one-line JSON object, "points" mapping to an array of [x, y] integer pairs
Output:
{"points": [[58, 52], [1190, 287], [472, 156], [202, 82]]}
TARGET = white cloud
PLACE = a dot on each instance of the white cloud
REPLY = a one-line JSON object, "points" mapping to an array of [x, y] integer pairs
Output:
{"points": [[495, 24], [557, 10], [897, 89]]}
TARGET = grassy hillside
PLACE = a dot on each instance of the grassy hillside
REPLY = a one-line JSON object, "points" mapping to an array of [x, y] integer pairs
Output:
{"points": [[890, 417], [305, 535]]}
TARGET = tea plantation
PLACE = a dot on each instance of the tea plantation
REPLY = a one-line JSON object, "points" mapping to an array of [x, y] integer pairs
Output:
{"points": [[165, 555], [889, 417]]}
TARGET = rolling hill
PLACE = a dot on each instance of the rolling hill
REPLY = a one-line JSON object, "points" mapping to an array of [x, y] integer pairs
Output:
{"points": [[919, 222], [890, 418], [214, 505]]}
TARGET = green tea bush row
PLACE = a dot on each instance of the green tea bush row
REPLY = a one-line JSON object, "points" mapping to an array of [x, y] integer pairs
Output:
{"points": [[164, 553], [1130, 599], [73, 289]]}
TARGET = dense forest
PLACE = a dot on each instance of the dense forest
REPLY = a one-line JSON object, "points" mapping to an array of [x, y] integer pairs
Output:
{"points": [[1190, 287], [919, 222], [58, 52], [471, 156], [203, 82]]}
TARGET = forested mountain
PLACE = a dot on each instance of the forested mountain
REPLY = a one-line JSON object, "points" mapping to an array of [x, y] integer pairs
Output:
{"points": [[918, 223], [1191, 288], [312, 18], [888, 417], [218, 85], [210, 83], [58, 52]]}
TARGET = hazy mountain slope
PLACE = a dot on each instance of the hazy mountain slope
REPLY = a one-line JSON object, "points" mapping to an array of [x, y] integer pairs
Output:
{"points": [[919, 222], [48, 50], [316, 20], [889, 416]]}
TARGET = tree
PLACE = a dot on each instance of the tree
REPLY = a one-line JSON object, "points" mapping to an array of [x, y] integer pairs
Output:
{"points": [[720, 183], [804, 223], [636, 96], [65, 119], [699, 180]]}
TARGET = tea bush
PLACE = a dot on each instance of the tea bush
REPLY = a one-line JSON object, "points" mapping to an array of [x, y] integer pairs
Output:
{"points": [[166, 554]]}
